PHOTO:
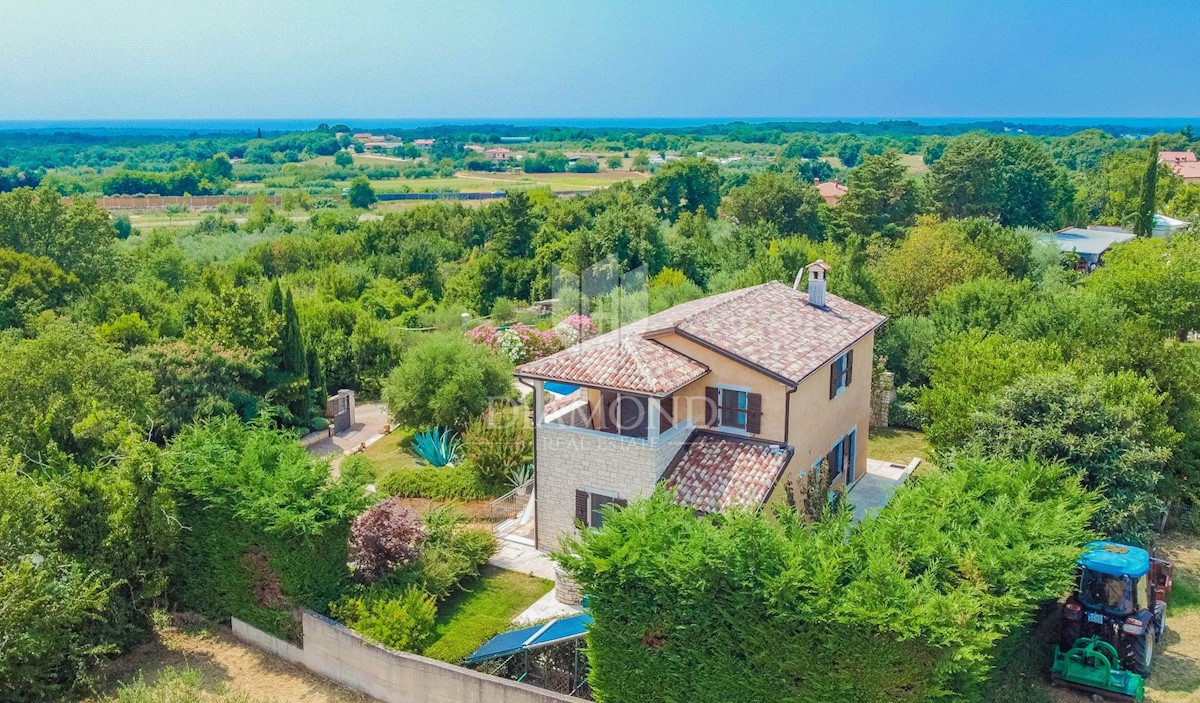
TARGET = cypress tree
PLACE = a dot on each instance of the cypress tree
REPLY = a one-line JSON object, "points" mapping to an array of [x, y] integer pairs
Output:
{"points": [[1144, 226], [275, 299], [291, 352], [316, 376]]}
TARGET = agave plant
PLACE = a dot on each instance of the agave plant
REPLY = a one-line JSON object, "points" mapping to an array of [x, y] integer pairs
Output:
{"points": [[438, 446], [520, 476]]}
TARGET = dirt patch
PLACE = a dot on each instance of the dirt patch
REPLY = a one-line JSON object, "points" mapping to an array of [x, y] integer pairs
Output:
{"points": [[226, 665], [477, 511]]}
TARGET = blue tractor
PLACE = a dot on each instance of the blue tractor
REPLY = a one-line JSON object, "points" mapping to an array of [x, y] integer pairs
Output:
{"points": [[1120, 600]]}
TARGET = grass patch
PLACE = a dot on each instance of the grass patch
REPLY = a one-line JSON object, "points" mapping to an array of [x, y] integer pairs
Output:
{"points": [[898, 445], [1185, 593], [484, 608], [392, 453]]}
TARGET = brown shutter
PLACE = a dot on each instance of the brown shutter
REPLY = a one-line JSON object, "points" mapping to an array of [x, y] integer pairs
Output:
{"points": [[846, 453], [849, 366], [833, 379], [830, 462], [620, 502], [607, 400], [710, 405], [666, 415], [754, 413], [581, 506]]}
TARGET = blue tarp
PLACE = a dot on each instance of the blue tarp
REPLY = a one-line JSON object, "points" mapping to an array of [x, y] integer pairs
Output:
{"points": [[527, 638]]}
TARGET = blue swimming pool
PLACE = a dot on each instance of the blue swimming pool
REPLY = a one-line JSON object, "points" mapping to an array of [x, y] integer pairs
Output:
{"points": [[560, 388]]}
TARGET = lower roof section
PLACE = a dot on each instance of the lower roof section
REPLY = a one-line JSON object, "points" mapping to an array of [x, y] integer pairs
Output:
{"points": [[716, 471]]}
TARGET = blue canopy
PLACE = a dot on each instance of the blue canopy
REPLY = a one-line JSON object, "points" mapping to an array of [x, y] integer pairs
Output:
{"points": [[509, 643], [1115, 559]]}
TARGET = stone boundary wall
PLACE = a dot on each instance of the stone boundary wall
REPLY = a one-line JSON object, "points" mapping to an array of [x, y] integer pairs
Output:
{"points": [[337, 653]]}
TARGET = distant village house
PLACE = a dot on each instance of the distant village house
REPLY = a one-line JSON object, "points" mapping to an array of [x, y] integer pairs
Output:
{"points": [[1183, 163], [831, 191]]}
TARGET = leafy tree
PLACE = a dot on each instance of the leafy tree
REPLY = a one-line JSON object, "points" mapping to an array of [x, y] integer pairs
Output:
{"points": [[360, 194], [684, 185], [343, 159], [691, 249], [778, 199], [1157, 278], [935, 256], [881, 196], [445, 380], [195, 380], [1111, 429], [1148, 205], [30, 285], [79, 238], [1010, 179], [906, 343], [849, 153], [967, 370]]}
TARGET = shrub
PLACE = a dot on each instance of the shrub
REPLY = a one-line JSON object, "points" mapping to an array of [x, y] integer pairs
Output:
{"points": [[519, 343], [907, 606], [904, 411], [386, 536], [266, 528], [498, 443], [401, 619], [435, 483], [445, 380]]}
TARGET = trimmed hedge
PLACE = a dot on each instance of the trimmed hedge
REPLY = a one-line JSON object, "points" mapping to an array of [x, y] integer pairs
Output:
{"points": [[459, 482], [907, 606]]}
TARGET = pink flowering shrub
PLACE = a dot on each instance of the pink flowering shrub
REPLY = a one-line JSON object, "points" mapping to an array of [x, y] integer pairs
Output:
{"points": [[520, 343], [386, 536], [575, 328]]}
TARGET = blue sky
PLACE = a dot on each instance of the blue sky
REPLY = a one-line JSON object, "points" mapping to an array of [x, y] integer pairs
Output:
{"points": [[101, 59]]}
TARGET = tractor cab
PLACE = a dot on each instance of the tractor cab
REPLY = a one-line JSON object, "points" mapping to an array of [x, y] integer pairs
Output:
{"points": [[1113, 579]]}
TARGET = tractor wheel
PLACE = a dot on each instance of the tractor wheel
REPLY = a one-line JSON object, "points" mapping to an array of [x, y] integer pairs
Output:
{"points": [[1141, 656], [1160, 617], [1071, 631]]}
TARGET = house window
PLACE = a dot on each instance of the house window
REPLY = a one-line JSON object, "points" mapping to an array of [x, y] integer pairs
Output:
{"points": [[589, 505], [841, 372], [842, 457], [733, 409], [732, 404]]}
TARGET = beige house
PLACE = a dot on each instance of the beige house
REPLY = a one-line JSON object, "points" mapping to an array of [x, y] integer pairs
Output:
{"points": [[722, 399]]}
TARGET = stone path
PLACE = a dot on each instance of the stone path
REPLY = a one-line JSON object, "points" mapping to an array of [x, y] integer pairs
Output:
{"points": [[873, 491], [369, 421], [523, 558]]}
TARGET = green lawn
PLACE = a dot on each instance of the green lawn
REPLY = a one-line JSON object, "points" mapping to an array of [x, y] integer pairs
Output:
{"points": [[391, 453], [898, 445], [483, 609]]}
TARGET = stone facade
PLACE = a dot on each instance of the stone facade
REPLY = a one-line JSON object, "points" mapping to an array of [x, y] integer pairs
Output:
{"points": [[572, 458]]}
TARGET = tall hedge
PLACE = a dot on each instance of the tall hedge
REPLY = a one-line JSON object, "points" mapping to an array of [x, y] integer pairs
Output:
{"points": [[907, 606], [265, 528]]}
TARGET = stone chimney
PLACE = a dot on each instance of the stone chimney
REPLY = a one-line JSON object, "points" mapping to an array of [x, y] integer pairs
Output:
{"points": [[818, 272], [816, 181]]}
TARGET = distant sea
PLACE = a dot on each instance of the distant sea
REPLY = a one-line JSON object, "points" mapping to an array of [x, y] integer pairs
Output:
{"points": [[240, 126]]}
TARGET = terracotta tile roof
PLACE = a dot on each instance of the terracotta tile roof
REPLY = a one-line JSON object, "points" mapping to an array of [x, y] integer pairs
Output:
{"points": [[620, 361], [770, 327], [1176, 156], [1186, 169], [715, 472], [558, 403], [774, 328]]}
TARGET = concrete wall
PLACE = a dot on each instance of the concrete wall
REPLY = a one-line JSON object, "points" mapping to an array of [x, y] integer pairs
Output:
{"points": [[570, 459], [335, 652]]}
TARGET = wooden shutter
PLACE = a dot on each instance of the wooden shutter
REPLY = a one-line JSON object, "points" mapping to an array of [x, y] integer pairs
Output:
{"points": [[581, 507], [711, 395], [833, 379], [754, 413], [666, 415], [620, 502], [607, 420], [847, 452], [831, 464], [849, 366]]}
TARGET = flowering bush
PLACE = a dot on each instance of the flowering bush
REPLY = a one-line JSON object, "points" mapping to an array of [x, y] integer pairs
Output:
{"points": [[519, 343], [575, 328], [386, 536]]}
